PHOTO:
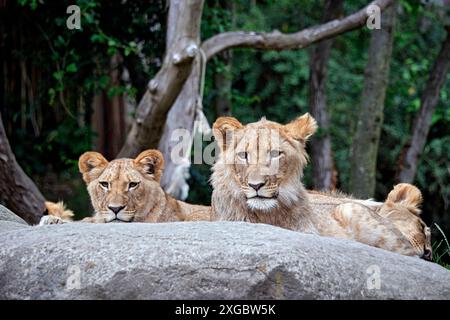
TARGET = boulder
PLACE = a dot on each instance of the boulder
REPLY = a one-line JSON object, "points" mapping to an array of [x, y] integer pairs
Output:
{"points": [[9, 221], [8, 215], [204, 260]]}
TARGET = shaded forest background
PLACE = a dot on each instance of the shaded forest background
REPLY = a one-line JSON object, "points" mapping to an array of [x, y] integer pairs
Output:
{"points": [[64, 91]]}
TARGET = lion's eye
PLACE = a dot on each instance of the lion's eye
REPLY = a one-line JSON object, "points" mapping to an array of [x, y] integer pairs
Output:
{"points": [[243, 155], [133, 185], [104, 184], [275, 153]]}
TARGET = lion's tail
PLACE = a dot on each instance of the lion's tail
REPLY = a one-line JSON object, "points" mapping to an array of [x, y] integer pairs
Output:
{"points": [[59, 209], [408, 195]]}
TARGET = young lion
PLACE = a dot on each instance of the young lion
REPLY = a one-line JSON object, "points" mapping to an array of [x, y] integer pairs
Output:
{"points": [[257, 178], [129, 190], [126, 190], [401, 209]]}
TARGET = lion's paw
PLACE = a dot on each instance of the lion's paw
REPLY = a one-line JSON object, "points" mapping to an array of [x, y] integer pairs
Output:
{"points": [[49, 219]]}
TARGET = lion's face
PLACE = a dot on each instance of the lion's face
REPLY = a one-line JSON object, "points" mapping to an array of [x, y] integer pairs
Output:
{"points": [[264, 160], [124, 189], [412, 227], [402, 208]]}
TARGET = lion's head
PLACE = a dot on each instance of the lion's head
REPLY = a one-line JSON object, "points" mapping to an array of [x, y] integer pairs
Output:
{"points": [[261, 163], [402, 209], [123, 189]]}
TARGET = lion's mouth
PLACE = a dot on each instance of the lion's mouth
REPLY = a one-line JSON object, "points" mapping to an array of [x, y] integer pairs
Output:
{"points": [[127, 216], [124, 217], [121, 220], [262, 197]]}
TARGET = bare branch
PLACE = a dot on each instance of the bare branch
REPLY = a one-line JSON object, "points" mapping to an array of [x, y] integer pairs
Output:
{"points": [[276, 40], [164, 88]]}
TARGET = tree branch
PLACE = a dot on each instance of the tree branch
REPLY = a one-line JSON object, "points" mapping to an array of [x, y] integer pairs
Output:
{"points": [[276, 40], [164, 88]]}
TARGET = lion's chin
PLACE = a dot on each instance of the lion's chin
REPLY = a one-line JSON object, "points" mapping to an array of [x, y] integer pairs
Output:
{"points": [[125, 217], [262, 204], [108, 217], [121, 217]]}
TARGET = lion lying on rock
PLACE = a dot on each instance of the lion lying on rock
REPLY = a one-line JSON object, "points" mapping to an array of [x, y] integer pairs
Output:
{"points": [[401, 208], [257, 178], [128, 190]]}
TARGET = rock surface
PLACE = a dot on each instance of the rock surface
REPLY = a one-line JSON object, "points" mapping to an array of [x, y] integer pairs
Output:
{"points": [[8, 215], [202, 260]]}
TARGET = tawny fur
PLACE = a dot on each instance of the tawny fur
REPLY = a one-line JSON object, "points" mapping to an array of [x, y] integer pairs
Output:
{"points": [[59, 210], [246, 159], [401, 209], [145, 202]]}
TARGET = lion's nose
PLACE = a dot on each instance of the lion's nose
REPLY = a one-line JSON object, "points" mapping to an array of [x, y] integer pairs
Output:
{"points": [[427, 255], [116, 210], [257, 186]]}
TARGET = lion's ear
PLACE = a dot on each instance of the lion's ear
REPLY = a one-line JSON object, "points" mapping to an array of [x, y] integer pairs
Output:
{"points": [[223, 129], [302, 128], [151, 162], [91, 165], [406, 194]]}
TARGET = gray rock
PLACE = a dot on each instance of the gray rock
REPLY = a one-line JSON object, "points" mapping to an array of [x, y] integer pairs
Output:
{"points": [[9, 221], [201, 260], [10, 226], [8, 215]]}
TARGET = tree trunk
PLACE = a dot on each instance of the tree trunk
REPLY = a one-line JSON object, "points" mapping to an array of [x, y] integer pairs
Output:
{"points": [[181, 117], [187, 115], [370, 119], [223, 79], [17, 191], [222, 86], [410, 155], [108, 120], [324, 173], [164, 88]]}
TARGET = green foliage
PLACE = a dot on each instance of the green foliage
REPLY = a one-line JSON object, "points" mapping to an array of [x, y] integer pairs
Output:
{"points": [[441, 249], [78, 63]]}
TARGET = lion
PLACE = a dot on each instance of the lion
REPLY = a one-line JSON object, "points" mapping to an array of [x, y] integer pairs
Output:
{"points": [[128, 190], [401, 208], [56, 213], [257, 178]]}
